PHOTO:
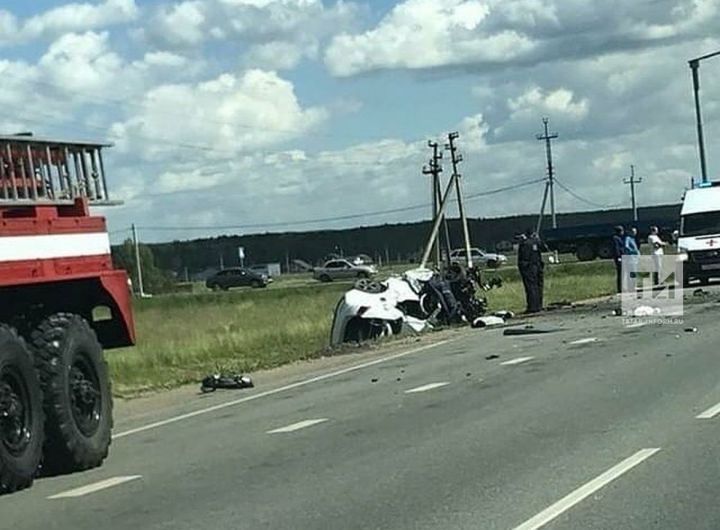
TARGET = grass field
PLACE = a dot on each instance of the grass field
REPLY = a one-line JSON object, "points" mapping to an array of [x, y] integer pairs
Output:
{"points": [[183, 337]]}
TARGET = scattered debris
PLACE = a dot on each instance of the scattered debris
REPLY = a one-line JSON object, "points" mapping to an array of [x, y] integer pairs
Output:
{"points": [[646, 311], [691, 330], [374, 380], [215, 381], [468, 374], [527, 330], [483, 322], [505, 315], [491, 357], [700, 292]]}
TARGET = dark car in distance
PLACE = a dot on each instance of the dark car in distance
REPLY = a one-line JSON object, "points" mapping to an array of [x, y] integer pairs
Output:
{"points": [[236, 277]]}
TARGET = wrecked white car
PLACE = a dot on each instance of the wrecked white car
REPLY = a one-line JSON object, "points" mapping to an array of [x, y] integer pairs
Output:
{"points": [[418, 300]]}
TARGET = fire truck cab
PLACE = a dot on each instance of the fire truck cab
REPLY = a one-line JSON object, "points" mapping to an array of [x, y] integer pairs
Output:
{"points": [[61, 304]]}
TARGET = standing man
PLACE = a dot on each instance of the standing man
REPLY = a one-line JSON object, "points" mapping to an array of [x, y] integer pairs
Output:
{"points": [[618, 252], [633, 252], [656, 248], [634, 235], [531, 268]]}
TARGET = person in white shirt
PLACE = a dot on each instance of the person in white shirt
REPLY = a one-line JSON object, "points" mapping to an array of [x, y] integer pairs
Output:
{"points": [[656, 248]]}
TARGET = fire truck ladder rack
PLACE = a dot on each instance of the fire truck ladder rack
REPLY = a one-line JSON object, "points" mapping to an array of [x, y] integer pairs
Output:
{"points": [[36, 171]]}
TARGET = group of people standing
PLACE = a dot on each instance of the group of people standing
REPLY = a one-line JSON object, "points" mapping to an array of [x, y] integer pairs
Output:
{"points": [[628, 244]]}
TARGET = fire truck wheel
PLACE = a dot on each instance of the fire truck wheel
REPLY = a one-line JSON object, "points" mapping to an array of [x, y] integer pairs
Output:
{"points": [[21, 416], [77, 397]]}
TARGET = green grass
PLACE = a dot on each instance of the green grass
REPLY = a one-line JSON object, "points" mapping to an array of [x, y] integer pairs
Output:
{"points": [[183, 337]]}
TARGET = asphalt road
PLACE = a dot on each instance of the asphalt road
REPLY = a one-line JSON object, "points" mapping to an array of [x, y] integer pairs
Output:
{"points": [[595, 426]]}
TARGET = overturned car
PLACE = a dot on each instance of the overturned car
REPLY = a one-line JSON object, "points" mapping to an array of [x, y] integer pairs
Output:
{"points": [[418, 300]]}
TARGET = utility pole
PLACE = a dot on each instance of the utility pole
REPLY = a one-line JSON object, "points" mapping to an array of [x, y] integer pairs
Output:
{"points": [[138, 266], [456, 158], [632, 181], [550, 186], [695, 68], [435, 169]]}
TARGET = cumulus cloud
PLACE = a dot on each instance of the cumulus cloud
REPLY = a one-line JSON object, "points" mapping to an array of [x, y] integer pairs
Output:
{"points": [[269, 34], [82, 63], [226, 116], [66, 18], [420, 34], [536, 102], [424, 34]]}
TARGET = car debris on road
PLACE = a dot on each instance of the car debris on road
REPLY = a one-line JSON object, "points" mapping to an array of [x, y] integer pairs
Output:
{"points": [[419, 300], [215, 381]]}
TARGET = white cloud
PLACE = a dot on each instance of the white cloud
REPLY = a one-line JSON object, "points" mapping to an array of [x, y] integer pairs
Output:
{"points": [[420, 34], [66, 18], [269, 34], [82, 63], [228, 115], [279, 55], [164, 59], [181, 23], [536, 102], [423, 34]]}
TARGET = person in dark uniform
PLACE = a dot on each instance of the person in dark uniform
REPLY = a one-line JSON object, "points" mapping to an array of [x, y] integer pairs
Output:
{"points": [[618, 246], [531, 267]]}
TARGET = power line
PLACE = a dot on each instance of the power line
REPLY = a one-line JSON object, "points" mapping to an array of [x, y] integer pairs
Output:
{"points": [[336, 218], [583, 199]]}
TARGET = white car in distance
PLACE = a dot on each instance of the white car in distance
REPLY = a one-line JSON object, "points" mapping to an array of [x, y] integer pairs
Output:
{"points": [[478, 256]]}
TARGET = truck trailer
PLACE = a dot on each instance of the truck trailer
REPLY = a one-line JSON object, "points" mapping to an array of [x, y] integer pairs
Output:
{"points": [[61, 304]]}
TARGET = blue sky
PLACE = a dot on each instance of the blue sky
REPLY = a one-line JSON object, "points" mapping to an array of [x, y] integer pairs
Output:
{"points": [[234, 113]]}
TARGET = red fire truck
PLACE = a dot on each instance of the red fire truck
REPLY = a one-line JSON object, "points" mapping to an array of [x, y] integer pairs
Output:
{"points": [[61, 303]]}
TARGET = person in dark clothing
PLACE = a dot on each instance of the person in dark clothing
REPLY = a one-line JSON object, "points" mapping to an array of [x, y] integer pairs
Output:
{"points": [[618, 247], [531, 267]]}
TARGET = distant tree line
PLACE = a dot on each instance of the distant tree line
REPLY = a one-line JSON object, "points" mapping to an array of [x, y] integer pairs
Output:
{"points": [[396, 242]]}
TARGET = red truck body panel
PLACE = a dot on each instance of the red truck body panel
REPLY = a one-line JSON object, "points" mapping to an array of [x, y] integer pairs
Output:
{"points": [[57, 246]]}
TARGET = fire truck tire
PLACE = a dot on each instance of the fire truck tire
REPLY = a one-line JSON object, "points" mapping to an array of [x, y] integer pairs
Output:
{"points": [[21, 415], [77, 395]]}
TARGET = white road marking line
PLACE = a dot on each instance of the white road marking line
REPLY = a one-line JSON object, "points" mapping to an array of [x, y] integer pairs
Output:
{"points": [[585, 341], [635, 325], [516, 361], [425, 388], [92, 488], [274, 391], [297, 426], [709, 413], [585, 491]]}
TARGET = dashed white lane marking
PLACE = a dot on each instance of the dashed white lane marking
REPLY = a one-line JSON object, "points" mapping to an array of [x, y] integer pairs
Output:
{"points": [[585, 491], [92, 488], [709, 413], [274, 391], [518, 360], [635, 325], [297, 426], [588, 340], [425, 388]]}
